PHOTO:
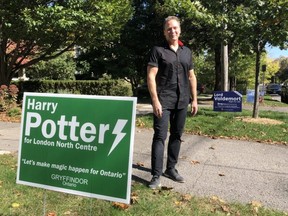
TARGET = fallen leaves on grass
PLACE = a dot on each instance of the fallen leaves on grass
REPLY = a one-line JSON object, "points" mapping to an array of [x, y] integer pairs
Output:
{"points": [[219, 205], [183, 200], [163, 190], [134, 198], [17, 193], [178, 203], [260, 120], [225, 208], [15, 205], [186, 197], [217, 200], [121, 206], [140, 123], [255, 205]]}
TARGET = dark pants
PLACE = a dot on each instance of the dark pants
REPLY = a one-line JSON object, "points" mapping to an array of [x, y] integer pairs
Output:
{"points": [[177, 119]]}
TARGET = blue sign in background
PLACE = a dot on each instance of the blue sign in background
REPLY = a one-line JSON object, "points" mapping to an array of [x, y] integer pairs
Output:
{"points": [[230, 101]]}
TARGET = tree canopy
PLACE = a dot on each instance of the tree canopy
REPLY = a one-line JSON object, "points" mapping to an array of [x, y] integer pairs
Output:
{"points": [[36, 30], [116, 36]]}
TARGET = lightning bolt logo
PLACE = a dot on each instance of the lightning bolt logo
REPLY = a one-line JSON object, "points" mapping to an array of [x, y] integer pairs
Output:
{"points": [[118, 132]]}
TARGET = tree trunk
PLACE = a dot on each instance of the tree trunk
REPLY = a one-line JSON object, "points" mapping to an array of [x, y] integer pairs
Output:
{"points": [[4, 78], [256, 95], [5, 75], [217, 50]]}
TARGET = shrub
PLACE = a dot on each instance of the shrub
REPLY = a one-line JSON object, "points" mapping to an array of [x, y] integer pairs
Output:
{"points": [[14, 112], [8, 97]]}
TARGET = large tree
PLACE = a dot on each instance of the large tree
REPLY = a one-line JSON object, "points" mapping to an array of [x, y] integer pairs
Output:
{"points": [[126, 58], [256, 24], [31, 31]]}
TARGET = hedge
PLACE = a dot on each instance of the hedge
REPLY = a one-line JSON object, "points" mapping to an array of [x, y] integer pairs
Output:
{"points": [[84, 87]]}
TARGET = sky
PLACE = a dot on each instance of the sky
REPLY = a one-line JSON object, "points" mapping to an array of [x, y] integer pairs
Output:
{"points": [[275, 52]]}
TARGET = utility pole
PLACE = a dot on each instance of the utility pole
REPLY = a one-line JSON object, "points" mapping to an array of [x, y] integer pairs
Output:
{"points": [[224, 67], [224, 55]]}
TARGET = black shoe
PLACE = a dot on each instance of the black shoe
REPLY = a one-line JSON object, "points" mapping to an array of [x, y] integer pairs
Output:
{"points": [[174, 175], [155, 182]]}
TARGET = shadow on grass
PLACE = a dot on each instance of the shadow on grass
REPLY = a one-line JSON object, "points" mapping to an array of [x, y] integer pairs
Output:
{"points": [[138, 179]]}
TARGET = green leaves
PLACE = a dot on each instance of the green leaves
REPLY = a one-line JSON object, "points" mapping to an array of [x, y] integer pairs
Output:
{"points": [[45, 30]]}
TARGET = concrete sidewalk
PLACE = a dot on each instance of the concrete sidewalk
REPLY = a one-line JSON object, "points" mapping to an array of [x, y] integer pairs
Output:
{"points": [[233, 170]]}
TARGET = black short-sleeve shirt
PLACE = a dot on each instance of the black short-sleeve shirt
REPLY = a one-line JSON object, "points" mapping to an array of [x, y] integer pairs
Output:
{"points": [[172, 79]]}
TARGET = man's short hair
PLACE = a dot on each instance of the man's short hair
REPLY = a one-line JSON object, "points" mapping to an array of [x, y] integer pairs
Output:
{"points": [[170, 18]]}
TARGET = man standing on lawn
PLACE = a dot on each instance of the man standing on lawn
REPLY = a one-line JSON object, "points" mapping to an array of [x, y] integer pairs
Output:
{"points": [[171, 83]]}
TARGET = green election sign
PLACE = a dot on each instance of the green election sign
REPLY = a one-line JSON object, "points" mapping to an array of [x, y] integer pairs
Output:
{"points": [[78, 144]]}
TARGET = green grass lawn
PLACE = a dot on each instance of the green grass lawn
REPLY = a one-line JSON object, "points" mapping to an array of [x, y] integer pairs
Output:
{"points": [[232, 125], [20, 200], [235, 125]]}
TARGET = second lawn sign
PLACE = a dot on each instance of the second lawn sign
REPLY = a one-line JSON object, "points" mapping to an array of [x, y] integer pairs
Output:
{"points": [[230, 101], [76, 144]]}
